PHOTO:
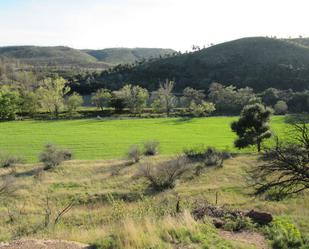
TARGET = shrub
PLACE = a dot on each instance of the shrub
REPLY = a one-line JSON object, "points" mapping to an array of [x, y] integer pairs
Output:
{"points": [[151, 148], [53, 156], [238, 224], [209, 156], [7, 160], [284, 234], [164, 175], [134, 153]]}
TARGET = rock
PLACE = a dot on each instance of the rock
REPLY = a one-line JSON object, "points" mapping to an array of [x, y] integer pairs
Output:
{"points": [[218, 223], [261, 218]]}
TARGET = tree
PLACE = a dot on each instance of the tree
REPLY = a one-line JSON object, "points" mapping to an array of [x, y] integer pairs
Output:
{"points": [[9, 103], [203, 109], [52, 92], [285, 168], [101, 98], [117, 102], [281, 107], [270, 96], [192, 95], [229, 99], [29, 102], [253, 126], [167, 98], [135, 97], [73, 102]]}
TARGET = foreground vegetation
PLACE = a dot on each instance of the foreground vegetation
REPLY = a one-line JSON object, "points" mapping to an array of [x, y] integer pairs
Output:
{"points": [[110, 208], [108, 138]]}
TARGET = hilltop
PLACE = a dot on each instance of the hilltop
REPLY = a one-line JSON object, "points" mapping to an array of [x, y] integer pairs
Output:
{"points": [[61, 56], [116, 56], [257, 62]]}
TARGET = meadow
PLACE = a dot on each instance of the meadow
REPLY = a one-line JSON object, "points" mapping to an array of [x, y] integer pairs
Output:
{"points": [[113, 209], [111, 138]]}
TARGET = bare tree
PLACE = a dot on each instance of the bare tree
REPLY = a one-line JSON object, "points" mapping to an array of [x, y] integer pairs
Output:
{"points": [[285, 168], [166, 96]]}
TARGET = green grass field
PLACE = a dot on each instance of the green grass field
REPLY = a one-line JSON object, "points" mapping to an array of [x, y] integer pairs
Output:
{"points": [[103, 139]]}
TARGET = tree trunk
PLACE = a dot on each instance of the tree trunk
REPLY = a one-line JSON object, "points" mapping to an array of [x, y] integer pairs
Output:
{"points": [[258, 143], [56, 111]]}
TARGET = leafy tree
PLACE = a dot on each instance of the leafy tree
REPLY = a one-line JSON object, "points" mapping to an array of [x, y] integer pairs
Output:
{"points": [[285, 168], [281, 107], [192, 95], [135, 97], [9, 103], [29, 102], [52, 92], [165, 94], [73, 102], [117, 101], [299, 102], [270, 96], [203, 109], [253, 126], [229, 99], [102, 98]]}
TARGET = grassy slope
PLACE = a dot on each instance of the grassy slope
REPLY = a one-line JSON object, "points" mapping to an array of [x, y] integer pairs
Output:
{"points": [[139, 221], [63, 56], [116, 56], [100, 139], [55, 55]]}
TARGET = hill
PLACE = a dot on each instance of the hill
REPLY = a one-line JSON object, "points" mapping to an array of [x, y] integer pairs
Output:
{"points": [[58, 56], [61, 56], [257, 62], [127, 55]]}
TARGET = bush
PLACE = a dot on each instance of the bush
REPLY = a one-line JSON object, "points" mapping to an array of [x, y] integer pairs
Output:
{"points": [[238, 224], [7, 160], [164, 175], [53, 156], [134, 153], [284, 234], [209, 156], [151, 148]]}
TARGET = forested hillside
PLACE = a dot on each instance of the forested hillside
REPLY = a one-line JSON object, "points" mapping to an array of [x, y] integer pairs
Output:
{"points": [[256, 62]]}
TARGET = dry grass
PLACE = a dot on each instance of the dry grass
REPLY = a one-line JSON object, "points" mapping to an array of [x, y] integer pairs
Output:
{"points": [[116, 208]]}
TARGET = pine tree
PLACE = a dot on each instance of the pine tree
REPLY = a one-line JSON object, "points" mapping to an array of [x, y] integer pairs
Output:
{"points": [[253, 126]]}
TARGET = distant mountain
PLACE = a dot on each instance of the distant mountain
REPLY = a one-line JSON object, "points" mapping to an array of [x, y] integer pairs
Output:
{"points": [[257, 62], [66, 57], [116, 56]]}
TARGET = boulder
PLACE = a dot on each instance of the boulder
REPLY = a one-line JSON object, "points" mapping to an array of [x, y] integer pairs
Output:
{"points": [[261, 218]]}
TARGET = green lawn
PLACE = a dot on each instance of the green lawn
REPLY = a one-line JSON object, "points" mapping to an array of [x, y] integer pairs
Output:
{"points": [[101, 139]]}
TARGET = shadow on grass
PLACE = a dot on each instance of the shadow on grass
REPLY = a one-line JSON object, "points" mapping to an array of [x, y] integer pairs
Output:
{"points": [[296, 118], [178, 121]]}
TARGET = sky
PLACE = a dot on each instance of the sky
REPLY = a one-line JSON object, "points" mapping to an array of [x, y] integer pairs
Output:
{"points": [[177, 24]]}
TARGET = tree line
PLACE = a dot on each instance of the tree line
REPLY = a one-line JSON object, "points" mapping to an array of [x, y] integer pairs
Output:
{"points": [[54, 95]]}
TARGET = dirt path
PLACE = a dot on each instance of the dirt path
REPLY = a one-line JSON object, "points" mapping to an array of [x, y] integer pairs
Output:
{"points": [[249, 238], [43, 244]]}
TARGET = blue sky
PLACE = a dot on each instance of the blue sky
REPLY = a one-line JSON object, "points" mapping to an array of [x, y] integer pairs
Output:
{"points": [[147, 23]]}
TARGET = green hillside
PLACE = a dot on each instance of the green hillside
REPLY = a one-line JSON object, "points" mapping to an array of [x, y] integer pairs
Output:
{"points": [[64, 56], [47, 55], [257, 62], [127, 55]]}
